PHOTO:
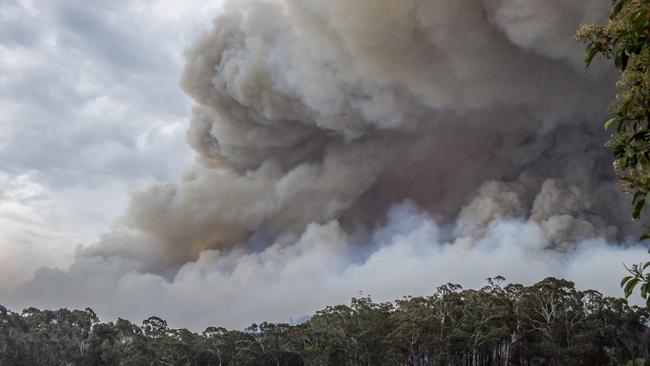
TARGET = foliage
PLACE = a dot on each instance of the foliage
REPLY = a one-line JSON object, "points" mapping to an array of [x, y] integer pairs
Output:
{"points": [[548, 323], [637, 278], [625, 39]]}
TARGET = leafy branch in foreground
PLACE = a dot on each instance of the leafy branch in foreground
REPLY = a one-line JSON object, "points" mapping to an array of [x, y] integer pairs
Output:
{"points": [[625, 39], [637, 278]]}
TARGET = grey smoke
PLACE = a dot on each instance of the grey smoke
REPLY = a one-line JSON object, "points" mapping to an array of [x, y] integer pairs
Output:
{"points": [[316, 120]]}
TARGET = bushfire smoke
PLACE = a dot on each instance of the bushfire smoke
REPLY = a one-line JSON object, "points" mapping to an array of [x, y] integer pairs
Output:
{"points": [[370, 145]]}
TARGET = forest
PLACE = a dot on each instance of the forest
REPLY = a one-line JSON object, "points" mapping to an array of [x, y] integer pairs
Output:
{"points": [[547, 323]]}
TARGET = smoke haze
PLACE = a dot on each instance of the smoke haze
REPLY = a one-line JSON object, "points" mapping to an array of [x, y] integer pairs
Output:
{"points": [[369, 145]]}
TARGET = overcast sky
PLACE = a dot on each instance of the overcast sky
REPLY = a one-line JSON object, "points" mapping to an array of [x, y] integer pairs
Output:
{"points": [[90, 110]]}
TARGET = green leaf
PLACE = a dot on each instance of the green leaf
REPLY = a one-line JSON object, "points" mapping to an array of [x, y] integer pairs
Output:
{"points": [[644, 290], [638, 23], [624, 60], [629, 288], [644, 237], [621, 59], [625, 279], [618, 5], [637, 209], [592, 50], [609, 123]]}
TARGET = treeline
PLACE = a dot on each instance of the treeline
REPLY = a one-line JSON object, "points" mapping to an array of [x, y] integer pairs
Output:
{"points": [[548, 323]]}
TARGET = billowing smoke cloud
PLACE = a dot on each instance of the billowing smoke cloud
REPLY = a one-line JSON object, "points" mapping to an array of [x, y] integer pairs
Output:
{"points": [[324, 265], [316, 120]]}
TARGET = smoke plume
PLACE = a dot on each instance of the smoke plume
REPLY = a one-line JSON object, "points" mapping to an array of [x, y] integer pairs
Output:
{"points": [[374, 145]]}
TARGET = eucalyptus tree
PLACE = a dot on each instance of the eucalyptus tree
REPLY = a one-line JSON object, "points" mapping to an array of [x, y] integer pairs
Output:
{"points": [[547, 323]]}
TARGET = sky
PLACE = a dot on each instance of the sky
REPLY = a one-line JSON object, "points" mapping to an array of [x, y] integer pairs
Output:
{"points": [[91, 111], [257, 160]]}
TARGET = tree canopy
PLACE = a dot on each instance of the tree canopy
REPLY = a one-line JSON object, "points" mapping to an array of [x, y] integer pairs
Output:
{"points": [[548, 323]]}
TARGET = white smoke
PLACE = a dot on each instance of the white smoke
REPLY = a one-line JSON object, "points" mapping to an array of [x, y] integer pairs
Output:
{"points": [[315, 117], [297, 275]]}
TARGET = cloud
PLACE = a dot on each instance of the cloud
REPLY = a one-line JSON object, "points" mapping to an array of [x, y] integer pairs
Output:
{"points": [[87, 117], [77, 92]]}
